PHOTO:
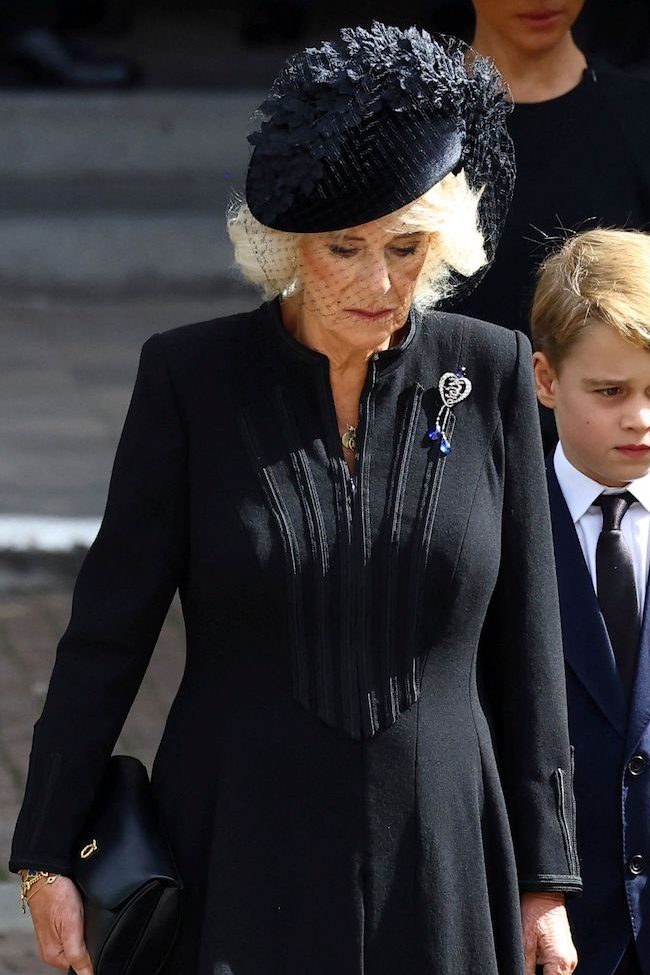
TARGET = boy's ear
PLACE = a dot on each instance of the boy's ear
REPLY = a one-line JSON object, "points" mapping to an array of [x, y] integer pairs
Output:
{"points": [[545, 376]]}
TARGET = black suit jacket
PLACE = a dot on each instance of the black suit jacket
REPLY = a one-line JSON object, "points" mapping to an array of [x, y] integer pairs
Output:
{"points": [[612, 752]]}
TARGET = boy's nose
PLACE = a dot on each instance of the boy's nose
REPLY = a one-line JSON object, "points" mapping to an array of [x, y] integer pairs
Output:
{"points": [[638, 418]]}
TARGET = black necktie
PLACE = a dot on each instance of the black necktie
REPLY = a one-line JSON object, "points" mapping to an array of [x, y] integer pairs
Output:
{"points": [[616, 586]]}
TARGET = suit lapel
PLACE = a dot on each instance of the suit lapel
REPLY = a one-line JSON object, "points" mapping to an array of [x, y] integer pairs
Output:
{"points": [[587, 649], [640, 709]]}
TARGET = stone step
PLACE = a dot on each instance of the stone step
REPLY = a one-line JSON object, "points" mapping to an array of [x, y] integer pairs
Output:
{"points": [[108, 253], [57, 135], [120, 194]]}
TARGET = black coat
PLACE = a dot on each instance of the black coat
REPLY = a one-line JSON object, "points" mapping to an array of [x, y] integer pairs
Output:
{"points": [[355, 651]]}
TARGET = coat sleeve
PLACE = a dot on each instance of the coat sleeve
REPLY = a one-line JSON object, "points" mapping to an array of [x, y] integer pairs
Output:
{"points": [[522, 661], [121, 597]]}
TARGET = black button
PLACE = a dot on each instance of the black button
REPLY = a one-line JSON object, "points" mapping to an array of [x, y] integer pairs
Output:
{"points": [[637, 765], [636, 864]]}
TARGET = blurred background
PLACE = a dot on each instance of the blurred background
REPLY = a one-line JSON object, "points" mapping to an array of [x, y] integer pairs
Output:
{"points": [[122, 127]]}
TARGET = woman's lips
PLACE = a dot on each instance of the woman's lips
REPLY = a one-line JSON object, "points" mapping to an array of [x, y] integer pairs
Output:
{"points": [[371, 315], [541, 19]]}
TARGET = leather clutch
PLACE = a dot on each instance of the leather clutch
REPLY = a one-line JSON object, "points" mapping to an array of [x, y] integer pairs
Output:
{"points": [[125, 872]]}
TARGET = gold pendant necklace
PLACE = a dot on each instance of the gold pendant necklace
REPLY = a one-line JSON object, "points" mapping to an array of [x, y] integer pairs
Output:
{"points": [[349, 438]]}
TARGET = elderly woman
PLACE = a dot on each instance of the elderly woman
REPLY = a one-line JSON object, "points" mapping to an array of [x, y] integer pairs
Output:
{"points": [[366, 768]]}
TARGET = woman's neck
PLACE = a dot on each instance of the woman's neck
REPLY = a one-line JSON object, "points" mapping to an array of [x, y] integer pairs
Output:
{"points": [[533, 76], [348, 363]]}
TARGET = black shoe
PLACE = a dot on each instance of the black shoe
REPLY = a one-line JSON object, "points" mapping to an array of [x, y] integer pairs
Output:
{"points": [[46, 58]]}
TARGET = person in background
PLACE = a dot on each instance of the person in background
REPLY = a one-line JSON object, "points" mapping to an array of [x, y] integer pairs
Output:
{"points": [[581, 132], [591, 330], [616, 32]]}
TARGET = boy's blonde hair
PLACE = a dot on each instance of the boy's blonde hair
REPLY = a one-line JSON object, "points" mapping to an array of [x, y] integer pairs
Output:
{"points": [[596, 276]]}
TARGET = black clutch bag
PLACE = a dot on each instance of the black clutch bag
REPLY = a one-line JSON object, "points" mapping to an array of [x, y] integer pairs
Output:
{"points": [[125, 872]]}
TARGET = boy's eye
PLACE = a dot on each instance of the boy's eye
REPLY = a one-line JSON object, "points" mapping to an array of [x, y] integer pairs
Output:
{"points": [[609, 391]]}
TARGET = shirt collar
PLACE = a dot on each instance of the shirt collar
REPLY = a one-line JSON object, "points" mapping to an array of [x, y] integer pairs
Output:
{"points": [[580, 491], [641, 490]]}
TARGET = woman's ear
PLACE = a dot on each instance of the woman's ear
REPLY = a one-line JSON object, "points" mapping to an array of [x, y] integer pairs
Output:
{"points": [[545, 378]]}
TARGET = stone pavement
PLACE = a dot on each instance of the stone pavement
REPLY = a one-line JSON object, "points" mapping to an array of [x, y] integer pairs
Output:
{"points": [[66, 373]]}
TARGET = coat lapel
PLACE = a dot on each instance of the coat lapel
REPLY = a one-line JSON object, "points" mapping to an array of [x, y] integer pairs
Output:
{"points": [[587, 649], [640, 709]]}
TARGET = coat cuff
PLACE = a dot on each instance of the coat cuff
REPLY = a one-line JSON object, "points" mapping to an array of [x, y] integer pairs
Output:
{"points": [[62, 867], [569, 884]]}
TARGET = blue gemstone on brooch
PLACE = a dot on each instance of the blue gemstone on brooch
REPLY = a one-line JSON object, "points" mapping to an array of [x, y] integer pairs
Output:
{"points": [[460, 372], [437, 436]]}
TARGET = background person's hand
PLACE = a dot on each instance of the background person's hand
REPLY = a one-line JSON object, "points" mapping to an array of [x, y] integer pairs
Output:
{"points": [[547, 937], [57, 913]]}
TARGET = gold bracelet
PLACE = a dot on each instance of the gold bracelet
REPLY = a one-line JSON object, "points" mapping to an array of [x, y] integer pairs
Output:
{"points": [[28, 879]]}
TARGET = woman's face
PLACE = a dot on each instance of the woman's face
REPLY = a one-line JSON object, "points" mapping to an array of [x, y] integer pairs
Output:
{"points": [[358, 284], [528, 25]]}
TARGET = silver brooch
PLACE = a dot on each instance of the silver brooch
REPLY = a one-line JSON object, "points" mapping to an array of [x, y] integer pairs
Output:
{"points": [[453, 387]]}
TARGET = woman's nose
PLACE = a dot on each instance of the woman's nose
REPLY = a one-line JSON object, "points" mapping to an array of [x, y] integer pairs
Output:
{"points": [[378, 275]]}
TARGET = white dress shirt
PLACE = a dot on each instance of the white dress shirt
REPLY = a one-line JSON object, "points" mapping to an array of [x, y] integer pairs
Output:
{"points": [[580, 493]]}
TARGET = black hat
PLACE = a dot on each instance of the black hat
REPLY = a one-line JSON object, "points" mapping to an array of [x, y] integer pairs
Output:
{"points": [[356, 130]]}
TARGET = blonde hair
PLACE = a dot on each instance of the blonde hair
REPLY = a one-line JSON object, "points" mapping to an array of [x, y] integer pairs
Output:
{"points": [[449, 211], [597, 276]]}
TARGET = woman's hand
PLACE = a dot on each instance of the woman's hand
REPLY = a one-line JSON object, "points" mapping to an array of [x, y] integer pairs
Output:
{"points": [[547, 938], [57, 913]]}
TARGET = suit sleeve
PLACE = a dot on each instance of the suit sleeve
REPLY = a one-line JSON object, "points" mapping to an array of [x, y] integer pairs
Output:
{"points": [[522, 660], [121, 597]]}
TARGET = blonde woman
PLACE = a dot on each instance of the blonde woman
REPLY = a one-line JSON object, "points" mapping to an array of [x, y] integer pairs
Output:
{"points": [[366, 769]]}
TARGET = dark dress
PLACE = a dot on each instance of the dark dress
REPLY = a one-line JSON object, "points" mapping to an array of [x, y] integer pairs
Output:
{"points": [[374, 680], [583, 161]]}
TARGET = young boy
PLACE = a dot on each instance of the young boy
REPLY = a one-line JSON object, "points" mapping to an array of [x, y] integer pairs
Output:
{"points": [[591, 332]]}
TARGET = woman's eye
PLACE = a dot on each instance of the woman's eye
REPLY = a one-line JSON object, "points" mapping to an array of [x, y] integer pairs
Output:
{"points": [[340, 251], [407, 251], [609, 391]]}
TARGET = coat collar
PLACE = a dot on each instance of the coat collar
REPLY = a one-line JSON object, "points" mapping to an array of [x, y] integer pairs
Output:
{"points": [[584, 628], [302, 355], [587, 649]]}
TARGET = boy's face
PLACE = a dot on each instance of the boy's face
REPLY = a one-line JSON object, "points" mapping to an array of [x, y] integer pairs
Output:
{"points": [[601, 397]]}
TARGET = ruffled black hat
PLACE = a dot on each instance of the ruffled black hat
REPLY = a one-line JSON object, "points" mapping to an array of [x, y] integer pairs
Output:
{"points": [[355, 130]]}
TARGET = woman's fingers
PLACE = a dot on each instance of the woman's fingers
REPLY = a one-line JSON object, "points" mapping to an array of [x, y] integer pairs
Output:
{"points": [[69, 925], [57, 913], [547, 938], [78, 959], [50, 951]]}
